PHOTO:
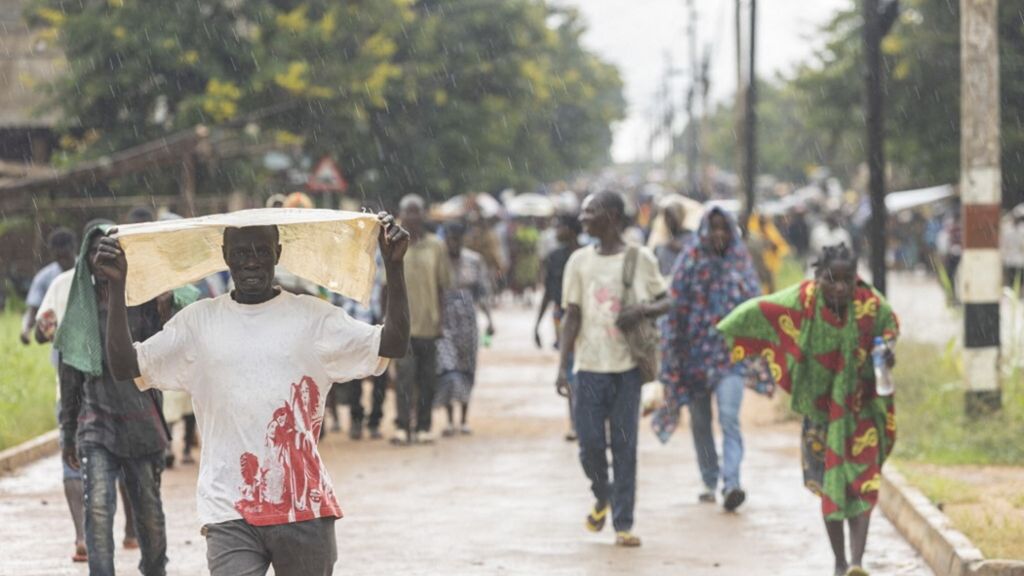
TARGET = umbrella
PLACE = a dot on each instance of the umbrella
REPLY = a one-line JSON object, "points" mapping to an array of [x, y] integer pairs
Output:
{"points": [[461, 205], [332, 248], [531, 204]]}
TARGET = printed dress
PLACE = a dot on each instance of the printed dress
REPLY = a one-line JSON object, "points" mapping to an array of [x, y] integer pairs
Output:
{"points": [[457, 348], [824, 362]]}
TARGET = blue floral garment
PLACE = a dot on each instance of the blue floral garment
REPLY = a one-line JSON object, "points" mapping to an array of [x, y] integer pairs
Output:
{"points": [[705, 288]]}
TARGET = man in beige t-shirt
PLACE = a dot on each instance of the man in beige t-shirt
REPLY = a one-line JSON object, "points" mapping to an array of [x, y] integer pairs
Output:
{"points": [[429, 272], [606, 391]]}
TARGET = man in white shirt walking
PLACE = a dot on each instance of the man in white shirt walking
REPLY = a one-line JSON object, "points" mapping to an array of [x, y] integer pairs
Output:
{"points": [[258, 363], [606, 391]]}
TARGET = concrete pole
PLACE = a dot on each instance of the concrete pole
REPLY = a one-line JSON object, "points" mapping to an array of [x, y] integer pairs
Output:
{"points": [[981, 195]]}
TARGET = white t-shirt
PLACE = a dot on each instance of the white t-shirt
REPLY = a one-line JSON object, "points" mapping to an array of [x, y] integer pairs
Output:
{"points": [[594, 283], [51, 310], [56, 298], [259, 376]]}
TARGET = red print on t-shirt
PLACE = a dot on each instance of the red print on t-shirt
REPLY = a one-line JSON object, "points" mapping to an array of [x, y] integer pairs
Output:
{"points": [[288, 483]]}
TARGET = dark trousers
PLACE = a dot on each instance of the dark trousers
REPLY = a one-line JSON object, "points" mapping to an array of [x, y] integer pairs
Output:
{"points": [[354, 394], [609, 403], [235, 548], [100, 470], [417, 380]]}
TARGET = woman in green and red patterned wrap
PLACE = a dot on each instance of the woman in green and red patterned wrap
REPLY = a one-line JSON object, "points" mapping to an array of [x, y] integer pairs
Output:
{"points": [[816, 339]]}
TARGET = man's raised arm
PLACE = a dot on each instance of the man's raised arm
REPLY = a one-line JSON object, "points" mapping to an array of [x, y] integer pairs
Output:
{"points": [[111, 263], [394, 241]]}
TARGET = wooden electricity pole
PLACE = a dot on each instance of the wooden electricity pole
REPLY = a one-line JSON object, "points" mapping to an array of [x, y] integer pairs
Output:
{"points": [[981, 195], [879, 16], [750, 121], [692, 148]]}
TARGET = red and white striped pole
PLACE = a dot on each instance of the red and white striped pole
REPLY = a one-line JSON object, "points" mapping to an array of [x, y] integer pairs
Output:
{"points": [[981, 269]]}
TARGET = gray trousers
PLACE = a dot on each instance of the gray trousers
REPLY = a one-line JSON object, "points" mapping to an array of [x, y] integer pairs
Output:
{"points": [[237, 548], [417, 381]]}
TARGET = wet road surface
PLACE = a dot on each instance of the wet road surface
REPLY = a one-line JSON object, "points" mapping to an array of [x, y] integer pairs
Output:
{"points": [[510, 499]]}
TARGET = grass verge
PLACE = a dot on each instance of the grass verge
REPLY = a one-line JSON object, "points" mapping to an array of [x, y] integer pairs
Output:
{"points": [[27, 385], [972, 469]]}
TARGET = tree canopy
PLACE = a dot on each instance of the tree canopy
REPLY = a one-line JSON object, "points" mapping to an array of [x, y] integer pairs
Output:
{"points": [[436, 97], [815, 116]]}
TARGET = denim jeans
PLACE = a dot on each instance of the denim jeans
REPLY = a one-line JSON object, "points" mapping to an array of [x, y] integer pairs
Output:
{"points": [[100, 469], [609, 403], [729, 394]]}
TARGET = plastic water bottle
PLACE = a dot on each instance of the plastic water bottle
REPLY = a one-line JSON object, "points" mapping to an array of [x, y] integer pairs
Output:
{"points": [[883, 376]]}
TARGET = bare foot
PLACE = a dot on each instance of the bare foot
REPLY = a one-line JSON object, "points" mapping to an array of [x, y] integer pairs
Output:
{"points": [[81, 554]]}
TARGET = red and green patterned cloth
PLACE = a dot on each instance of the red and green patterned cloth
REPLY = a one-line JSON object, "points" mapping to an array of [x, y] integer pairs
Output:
{"points": [[824, 362]]}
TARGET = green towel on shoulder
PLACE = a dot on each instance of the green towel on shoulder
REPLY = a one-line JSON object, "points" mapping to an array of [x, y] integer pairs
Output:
{"points": [[78, 337]]}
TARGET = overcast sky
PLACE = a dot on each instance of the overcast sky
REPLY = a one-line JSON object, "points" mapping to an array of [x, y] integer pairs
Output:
{"points": [[635, 35]]}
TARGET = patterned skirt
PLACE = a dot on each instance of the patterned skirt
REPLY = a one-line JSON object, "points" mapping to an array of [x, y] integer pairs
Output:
{"points": [[457, 348]]}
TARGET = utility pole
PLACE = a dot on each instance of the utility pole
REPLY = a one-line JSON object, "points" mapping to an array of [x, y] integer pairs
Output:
{"points": [[750, 120], [981, 195], [739, 109], [879, 16], [669, 113], [692, 153]]}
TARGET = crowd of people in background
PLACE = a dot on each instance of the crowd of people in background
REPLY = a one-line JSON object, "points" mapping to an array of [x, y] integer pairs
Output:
{"points": [[598, 265]]}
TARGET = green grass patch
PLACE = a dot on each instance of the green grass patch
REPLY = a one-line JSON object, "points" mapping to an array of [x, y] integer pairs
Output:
{"points": [[940, 489], [931, 424], [28, 388]]}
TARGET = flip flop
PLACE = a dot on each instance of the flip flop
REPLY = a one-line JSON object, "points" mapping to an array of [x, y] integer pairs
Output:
{"points": [[597, 518], [627, 540]]}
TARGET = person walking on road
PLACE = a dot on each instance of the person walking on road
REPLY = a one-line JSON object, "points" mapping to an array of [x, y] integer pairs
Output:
{"points": [[257, 363], [457, 349], [606, 393], [667, 249], [109, 429], [62, 245], [427, 263], [712, 276], [48, 319], [817, 339], [567, 232]]}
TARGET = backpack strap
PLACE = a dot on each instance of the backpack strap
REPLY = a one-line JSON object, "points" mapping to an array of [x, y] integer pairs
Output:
{"points": [[629, 267]]}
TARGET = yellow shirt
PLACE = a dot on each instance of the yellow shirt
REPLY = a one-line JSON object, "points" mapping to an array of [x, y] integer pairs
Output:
{"points": [[427, 275]]}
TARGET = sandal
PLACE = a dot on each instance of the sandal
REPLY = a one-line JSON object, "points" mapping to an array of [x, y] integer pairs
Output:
{"points": [[627, 539], [597, 518]]}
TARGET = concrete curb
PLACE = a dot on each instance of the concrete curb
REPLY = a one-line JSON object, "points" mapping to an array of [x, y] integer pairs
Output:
{"points": [[30, 451], [946, 550]]}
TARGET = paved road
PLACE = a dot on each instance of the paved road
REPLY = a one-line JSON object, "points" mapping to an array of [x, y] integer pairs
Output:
{"points": [[508, 500]]}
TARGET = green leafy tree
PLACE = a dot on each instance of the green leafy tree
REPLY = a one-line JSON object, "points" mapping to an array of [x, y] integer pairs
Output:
{"points": [[436, 96]]}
